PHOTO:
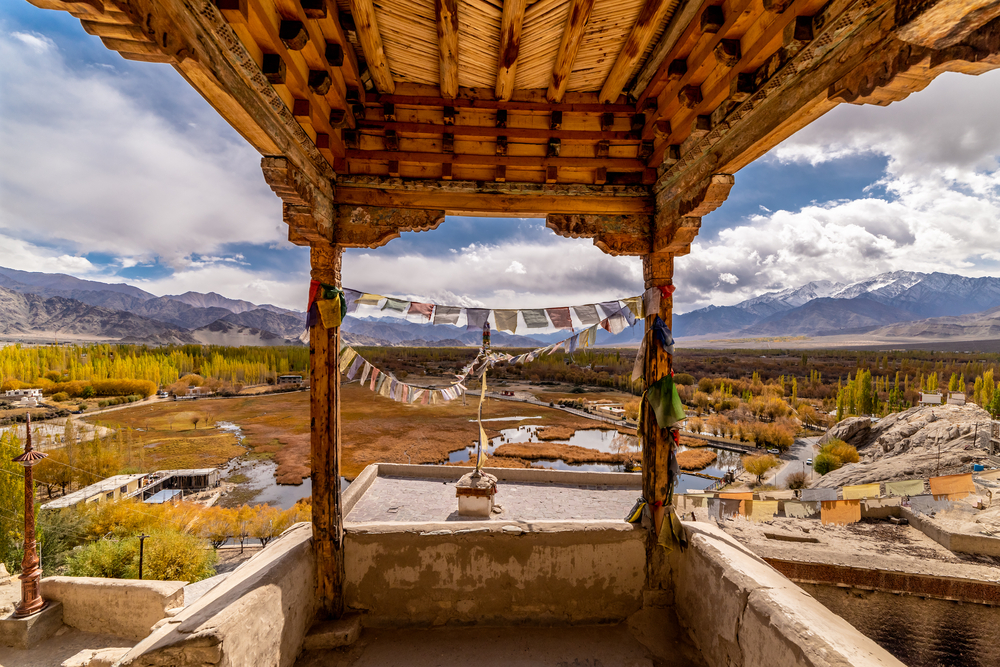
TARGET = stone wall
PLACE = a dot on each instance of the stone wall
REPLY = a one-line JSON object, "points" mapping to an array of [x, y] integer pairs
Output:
{"points": [[122, 607], [921, 632], [741, 612], [464, 572], [258, 616]]}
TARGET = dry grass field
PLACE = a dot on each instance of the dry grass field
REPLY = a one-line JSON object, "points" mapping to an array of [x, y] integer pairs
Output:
{"points": [[695, 459], [184, 434]]}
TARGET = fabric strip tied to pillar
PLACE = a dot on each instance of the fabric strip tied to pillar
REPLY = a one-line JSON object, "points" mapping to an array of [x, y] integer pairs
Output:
{"points": [[665, 401]]}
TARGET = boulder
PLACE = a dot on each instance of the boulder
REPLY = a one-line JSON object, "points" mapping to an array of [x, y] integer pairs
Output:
{"points": [[918, 443], [853, 431]]}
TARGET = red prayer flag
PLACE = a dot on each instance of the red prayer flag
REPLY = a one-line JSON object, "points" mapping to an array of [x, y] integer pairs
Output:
{"points": [[560, 317], [423, 309]]}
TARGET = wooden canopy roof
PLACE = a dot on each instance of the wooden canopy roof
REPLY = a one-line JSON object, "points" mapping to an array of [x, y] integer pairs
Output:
{"points": [[633, 114]]}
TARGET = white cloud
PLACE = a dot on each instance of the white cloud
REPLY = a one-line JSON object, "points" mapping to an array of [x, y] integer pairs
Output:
{"points": [[86, 166], [34, 41], [728, 278], [516, 267]]}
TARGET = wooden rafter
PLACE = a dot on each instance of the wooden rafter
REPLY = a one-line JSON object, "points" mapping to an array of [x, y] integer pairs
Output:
{"points": [[569, 46], [656, 65], [447, 34], [366, 25], [642, 33], [510, 44]]}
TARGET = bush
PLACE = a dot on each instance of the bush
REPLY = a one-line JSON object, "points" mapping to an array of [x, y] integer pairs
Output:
{"points": [[695, 425], [60, 396], [168, 556], [797, 480], [110, 559], [706, 385], [824, 463], [683, 379]]}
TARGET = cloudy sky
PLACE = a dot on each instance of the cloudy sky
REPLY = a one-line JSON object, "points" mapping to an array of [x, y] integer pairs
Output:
{"points": [[118, 171]]}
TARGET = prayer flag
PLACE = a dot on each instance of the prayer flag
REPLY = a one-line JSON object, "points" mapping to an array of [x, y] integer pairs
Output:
{"points": [[861, 491], [365, 372], [909, 487], [634, 304], [840, 512], [506, 320], [346, 357], [330, 311], [355, 366], [662, 396], [380, 382], [397, 305], [761, 510], [375, 373], [587, 314], [351, 296], [560, 317], [572, 344], [819, 494], [421, 312], [367, 299], [615, 324], [610, 308], [446, 314], [535, 319], [476, 317], [958, 486], [640, 361]]}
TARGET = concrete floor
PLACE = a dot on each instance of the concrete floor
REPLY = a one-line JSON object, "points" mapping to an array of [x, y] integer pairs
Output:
{"points": [[392, 499], [66, 643], [581, 646]]}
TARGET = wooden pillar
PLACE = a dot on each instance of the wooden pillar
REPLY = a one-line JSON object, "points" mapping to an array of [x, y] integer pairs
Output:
{"points": [[324, 375], [657, 270]]}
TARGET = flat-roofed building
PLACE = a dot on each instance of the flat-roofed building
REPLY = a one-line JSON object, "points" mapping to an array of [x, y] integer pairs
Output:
{"points": [[112, 488]]}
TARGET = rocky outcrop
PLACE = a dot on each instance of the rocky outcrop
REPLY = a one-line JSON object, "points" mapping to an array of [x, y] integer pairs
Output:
{"points": [[853, 431], [921, 442]]}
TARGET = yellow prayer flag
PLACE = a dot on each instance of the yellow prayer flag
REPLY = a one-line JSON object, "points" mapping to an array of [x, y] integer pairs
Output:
{"points": [[329, 312], [861, 491], [369, 299], [953, 485], [840, 512]]}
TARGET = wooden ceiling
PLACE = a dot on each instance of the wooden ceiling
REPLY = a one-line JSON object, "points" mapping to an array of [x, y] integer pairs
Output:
{"points": [[604, 107]]}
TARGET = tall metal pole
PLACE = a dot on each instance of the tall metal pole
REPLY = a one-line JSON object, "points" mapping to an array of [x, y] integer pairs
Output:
{"points": [[31, 564], [142, 542]]}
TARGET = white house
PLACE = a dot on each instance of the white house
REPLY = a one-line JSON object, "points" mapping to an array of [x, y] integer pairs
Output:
{"points": [[23, 393]]}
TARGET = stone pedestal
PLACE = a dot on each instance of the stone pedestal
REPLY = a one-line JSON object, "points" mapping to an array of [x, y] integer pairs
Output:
{"points": [[25, 633], [475, 492]]}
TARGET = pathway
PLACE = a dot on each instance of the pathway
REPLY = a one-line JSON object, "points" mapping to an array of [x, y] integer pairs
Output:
{"points": [[795, 460]]}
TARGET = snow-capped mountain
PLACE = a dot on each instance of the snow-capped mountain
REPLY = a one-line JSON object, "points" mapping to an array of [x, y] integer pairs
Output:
{"points": [[828, 307]]}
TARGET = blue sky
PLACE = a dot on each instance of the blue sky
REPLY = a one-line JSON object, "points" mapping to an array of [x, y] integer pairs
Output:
{"points": [[119, 171]]}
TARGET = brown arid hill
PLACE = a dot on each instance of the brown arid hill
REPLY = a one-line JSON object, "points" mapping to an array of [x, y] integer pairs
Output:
{"points": [[33, 315], [977, 326], [918, 443], [223, 332]]}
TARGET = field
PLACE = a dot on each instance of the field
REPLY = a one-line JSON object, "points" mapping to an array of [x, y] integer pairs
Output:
{"points": [[374, 429]]}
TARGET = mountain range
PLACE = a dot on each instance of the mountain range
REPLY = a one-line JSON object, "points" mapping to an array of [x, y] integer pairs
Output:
{"points": [[890, 306], [928, 303]]}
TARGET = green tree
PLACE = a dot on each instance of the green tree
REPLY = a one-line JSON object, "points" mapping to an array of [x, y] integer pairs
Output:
{"points": [[759, 464]]}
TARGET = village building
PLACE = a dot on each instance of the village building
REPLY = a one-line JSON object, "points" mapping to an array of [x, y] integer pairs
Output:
{"points": [[23, 393], [620, 121], [117, 487], [289, 380]]}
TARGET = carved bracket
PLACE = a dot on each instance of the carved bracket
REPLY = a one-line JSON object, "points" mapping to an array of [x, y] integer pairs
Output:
{"points": [[374, 226], [614, 234], [938, 24], [679, 219], [307, 211]]}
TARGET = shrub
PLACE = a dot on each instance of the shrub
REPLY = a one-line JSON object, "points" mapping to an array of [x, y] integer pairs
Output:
{"points": [[683, 379], [701, 401], [808, 414], [175, 556], [706, 385], [695, 424], [107, 558], [60, 396], [719, 425], [824, 463], [797, 480]]}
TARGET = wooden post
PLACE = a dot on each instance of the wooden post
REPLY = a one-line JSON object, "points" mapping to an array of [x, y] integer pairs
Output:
{"points": [[324, 375], [657, 271]]}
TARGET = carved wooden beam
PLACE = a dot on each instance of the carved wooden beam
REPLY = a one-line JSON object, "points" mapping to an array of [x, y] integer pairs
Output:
{"points": [[569, 46], [374, 226], [447, 33], [643, 29], [614, 234], [366, 25], [510, 45], [938, 24]]}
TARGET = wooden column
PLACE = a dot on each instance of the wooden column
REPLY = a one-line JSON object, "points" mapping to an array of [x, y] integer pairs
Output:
{"points": [[657, 270], [324, 375]]}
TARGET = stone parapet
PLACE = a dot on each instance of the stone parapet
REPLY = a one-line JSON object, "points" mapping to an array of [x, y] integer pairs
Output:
{"points": [[122, 607]]}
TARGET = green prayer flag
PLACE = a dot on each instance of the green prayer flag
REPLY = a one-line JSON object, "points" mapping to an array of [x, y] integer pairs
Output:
{"points": [[665, 401]]}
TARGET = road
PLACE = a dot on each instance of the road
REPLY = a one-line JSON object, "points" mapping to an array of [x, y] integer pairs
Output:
{"points": [[794, 460]]}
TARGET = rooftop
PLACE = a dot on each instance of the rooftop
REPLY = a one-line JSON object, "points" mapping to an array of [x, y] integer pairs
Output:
{"points": [[109, 484]]}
